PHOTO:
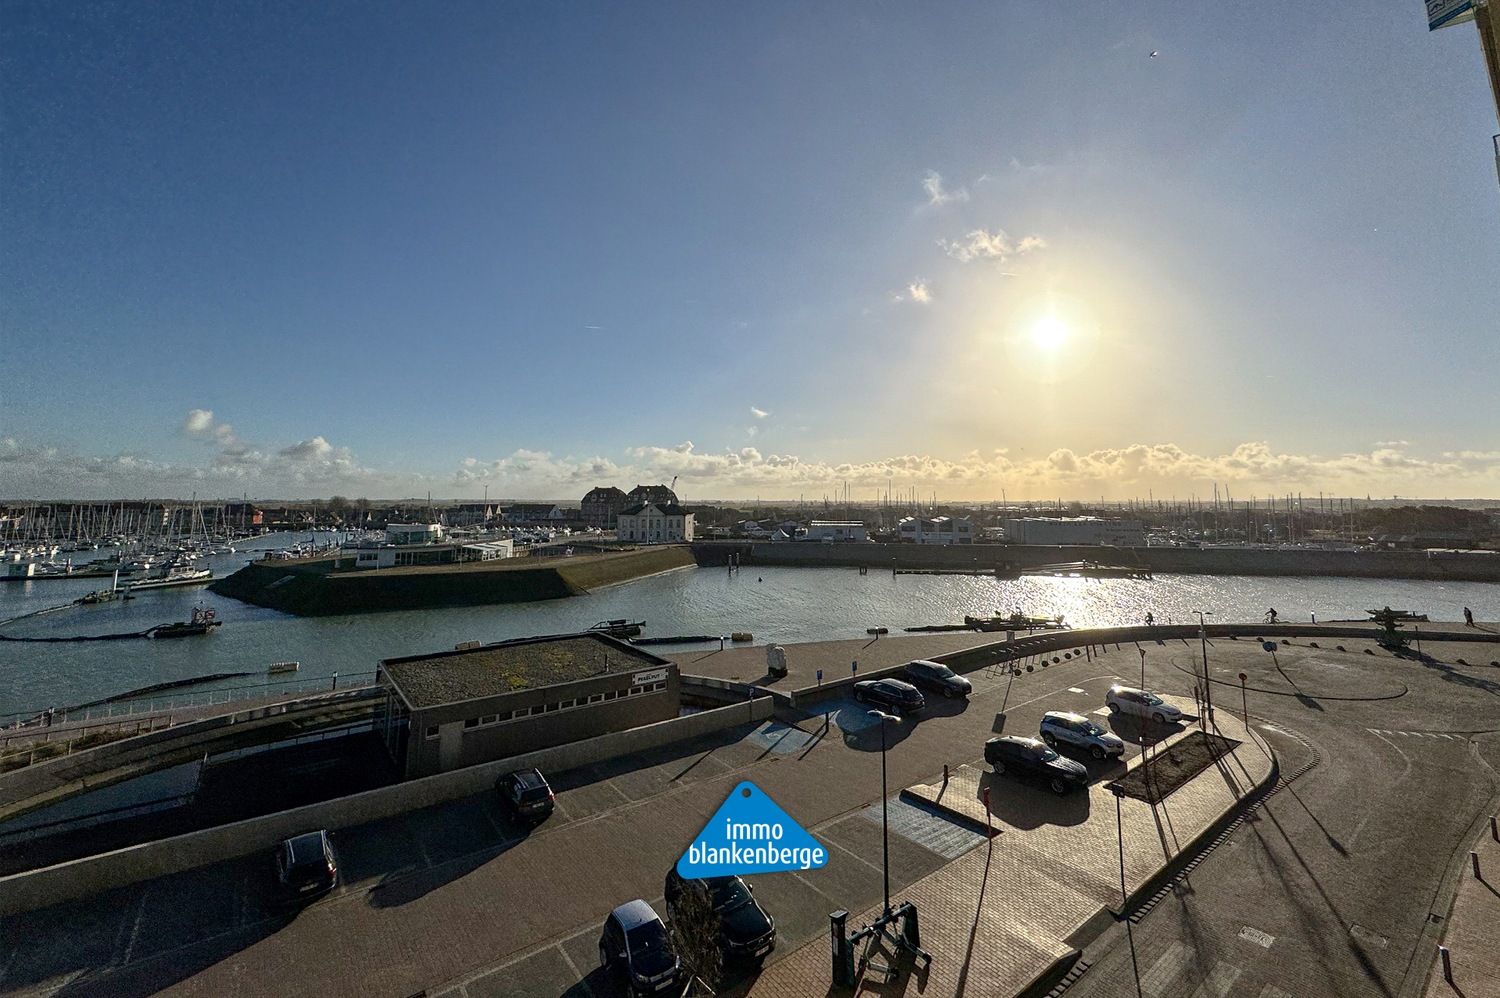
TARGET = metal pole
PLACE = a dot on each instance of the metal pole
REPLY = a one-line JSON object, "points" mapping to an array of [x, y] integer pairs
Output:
{"points": [[1120, 837], [1208, 683], [885, 826]]}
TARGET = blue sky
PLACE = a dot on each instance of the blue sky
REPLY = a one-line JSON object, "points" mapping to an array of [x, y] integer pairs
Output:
{"points": [[376, 249]]}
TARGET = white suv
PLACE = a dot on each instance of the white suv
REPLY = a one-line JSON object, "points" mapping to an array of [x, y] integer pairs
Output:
{"points": [[1141, 703], [1062, 728]]}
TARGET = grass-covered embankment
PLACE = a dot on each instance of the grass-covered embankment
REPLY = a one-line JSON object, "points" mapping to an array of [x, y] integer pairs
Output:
{"points": [[313, 588]]}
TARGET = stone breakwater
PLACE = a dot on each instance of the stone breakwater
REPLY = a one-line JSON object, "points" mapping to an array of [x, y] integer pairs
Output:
{"points": [[312, 587]]}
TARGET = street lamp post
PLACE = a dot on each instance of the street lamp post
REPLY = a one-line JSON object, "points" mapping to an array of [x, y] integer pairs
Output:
{"points": [[885, 827], [1120, 837], [1208, 683]]}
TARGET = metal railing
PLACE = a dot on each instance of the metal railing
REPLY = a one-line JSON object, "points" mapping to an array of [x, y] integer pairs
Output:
{"points": [[37, 717]]}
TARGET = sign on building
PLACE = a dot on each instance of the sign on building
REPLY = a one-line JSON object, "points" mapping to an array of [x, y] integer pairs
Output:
{"points": [[647, 678], [1441, 13]]}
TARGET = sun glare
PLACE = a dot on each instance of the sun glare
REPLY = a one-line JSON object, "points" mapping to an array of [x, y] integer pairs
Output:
{"points": [[1049, 333]]}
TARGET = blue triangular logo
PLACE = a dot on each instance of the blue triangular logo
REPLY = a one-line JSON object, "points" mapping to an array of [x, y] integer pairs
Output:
{"points": [[750, 833]]}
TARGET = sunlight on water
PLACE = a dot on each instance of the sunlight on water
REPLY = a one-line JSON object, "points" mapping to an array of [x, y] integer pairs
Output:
{"points": [[776, 604]]}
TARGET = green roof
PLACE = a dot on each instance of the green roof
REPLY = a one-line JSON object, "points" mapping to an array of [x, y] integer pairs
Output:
{"points": [[511, 666]]}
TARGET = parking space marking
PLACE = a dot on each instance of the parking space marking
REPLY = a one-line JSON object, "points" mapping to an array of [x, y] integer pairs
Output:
{"points": [[135, 930], [574, 967], [1100, 712], [851, 852], [1074, 689], [1220, 980]]}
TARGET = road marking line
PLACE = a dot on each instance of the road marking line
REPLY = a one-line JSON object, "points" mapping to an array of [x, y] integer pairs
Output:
{"points": [[1220, 980], [135, 930], [1165, 969], [1074, 689], [853, 853], [576, 972], [1101, 710]]}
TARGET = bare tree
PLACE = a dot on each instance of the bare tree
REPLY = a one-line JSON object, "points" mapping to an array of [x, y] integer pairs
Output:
{"points": [[695, 936]]}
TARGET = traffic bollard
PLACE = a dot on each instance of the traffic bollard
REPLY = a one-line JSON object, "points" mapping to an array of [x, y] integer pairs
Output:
{"points": [[1474, 862], [1494, 829], [1447, 964]]}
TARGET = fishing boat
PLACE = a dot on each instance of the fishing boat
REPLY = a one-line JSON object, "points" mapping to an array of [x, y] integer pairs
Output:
{"points": [[620, 628]]}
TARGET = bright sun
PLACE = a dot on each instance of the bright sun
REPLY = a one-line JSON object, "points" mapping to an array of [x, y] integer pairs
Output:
{"points": [[1049, 333]]}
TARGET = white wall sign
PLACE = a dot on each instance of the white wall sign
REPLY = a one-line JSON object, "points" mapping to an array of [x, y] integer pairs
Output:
{"points": [[646, 678]]}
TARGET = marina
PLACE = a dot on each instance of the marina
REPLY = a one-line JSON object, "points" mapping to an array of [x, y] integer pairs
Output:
{"points": [[776, 605]]}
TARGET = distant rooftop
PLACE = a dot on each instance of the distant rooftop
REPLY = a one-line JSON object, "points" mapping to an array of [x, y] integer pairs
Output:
{"points": [[509, 666]]}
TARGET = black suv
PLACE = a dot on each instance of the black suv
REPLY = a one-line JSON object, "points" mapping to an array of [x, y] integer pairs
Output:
{"points": [[746, 931], [1031, 757], [902, 698], [306, 867], [526, 795], [937, 677]]}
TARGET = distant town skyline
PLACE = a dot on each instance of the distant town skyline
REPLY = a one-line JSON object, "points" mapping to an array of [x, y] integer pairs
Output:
{"points": [[1039, 250]]}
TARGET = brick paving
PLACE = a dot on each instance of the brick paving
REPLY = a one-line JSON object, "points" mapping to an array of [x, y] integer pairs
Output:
{"points": [[1001, 915], [1473, 933]]}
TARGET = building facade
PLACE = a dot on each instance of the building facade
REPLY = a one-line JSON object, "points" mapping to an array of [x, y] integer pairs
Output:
{"points": [[477, 704], [1075, 530], [834, 531], [649, 523], [601, 507], [936, 530]]}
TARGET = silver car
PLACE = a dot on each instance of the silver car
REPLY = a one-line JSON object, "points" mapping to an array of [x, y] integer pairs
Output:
{"points": [[1061, 728]]}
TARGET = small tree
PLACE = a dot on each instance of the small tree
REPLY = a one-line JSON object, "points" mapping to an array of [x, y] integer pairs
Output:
{"points": [[695, 936]]}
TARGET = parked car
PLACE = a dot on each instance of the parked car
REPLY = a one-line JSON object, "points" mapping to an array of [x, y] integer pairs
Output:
{"points": [[1141, 703], [937, 677], [526, 795], [1064, 728], [902, 698], [635, 946], [306, 867], [746, 931], [1032, 757]]}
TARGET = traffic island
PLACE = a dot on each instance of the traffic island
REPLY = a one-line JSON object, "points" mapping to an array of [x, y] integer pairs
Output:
{"points": [[1008, 914]]}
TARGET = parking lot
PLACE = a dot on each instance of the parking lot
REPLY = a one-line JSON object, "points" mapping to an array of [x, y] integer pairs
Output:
{"points": [[458, 899], [451, 894]]}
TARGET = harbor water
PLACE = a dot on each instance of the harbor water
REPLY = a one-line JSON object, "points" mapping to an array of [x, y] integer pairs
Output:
{"points": [[774, 603]]}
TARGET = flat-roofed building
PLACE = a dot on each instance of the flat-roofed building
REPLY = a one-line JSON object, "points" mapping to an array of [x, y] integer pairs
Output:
{"points": [[837, 530], [477, 704], [936, 530], [1075, 530]]}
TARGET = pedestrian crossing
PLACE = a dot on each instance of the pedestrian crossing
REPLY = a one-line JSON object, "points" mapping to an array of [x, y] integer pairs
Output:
{"points": [[1419, 734]]}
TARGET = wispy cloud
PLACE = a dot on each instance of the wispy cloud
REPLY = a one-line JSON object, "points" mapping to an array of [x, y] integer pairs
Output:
{"points": [[938, 194], [758, 413], [982, 244], [917, 292]]}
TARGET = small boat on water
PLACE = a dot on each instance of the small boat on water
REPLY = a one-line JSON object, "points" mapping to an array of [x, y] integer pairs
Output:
{"points": [[284, 667], [202, 621], [620, 628]]}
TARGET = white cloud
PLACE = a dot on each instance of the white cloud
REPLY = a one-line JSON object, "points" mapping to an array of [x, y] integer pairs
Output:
{"points": [[315, 466], [198, 421], [758, 413], [982, 244], [937, 194], [917, 291]]}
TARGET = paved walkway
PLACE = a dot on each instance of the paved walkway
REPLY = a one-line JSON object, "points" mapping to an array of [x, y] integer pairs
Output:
{"points": [[1473, 935], [1000, 916]]}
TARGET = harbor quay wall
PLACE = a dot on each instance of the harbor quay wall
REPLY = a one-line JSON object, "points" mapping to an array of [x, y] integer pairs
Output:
{"points": [[313, 589], [1453, 566], [122, 867]]}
